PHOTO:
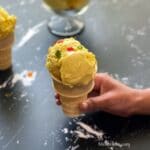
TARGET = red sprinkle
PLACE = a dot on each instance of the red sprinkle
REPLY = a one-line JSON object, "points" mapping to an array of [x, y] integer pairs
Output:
{"points": [[70, 49]]}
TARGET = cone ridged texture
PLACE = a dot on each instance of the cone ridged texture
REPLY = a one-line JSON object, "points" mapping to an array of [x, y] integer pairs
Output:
{"points": [[5, 52], [71, 97]]}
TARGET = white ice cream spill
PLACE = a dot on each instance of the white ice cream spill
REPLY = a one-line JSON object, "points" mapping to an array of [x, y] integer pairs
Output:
{"points": [[84, 131], [4, 85], [83, 135], [65, 130], [98, 134], [26, 77], [30, 33]]}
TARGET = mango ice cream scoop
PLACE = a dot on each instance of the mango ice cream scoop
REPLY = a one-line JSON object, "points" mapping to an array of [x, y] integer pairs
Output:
{"points": [[7, 27], [72, 68]]}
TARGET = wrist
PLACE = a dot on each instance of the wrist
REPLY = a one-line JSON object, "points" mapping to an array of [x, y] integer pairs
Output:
{"points": [[141, 101]]}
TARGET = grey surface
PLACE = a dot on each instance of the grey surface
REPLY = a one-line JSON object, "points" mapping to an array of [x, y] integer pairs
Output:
{"points": [[118, 32]]}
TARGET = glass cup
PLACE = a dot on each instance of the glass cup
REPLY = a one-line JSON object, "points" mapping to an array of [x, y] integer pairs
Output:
{"points": [[66, 22]]}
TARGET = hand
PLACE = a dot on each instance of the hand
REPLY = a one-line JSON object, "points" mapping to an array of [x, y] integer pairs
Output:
{"points": [[58, 102], [111, 96]]}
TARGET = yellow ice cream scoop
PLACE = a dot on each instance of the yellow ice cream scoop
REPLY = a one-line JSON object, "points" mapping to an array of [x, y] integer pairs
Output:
{"points": [[59, 50], [78, 68], [7, 23], [71, 63]]}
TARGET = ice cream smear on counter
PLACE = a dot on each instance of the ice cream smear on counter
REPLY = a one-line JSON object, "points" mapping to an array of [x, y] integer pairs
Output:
{"points": [[72, 68], [26, 77], [70, 62], [7, 23], [91, 133]]}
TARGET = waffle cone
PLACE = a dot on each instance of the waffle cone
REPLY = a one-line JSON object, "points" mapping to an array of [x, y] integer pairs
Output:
{"points": [[5, 51], [70, 105], [71, 97]]}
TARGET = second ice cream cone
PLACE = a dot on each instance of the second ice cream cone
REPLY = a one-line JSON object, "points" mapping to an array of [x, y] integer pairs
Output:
{"points": [[5, 51]]}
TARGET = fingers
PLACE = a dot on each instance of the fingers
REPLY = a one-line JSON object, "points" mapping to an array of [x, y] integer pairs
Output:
{"points": [[97, 81], [57, 97], [58, 102], [101, 78], [96, 103], [93, 94]]}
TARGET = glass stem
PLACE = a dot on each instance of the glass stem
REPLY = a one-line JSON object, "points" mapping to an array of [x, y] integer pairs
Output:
{"points": [[69, 24]]}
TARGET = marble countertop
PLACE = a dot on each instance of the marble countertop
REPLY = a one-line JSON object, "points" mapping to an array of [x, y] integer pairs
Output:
{"points": [[118, 32]]}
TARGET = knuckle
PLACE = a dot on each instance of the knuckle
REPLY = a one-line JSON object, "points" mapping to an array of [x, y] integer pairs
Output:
{"points": [[105, 77], [92, 105]]}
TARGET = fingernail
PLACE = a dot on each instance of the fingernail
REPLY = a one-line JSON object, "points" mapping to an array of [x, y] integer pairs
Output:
{"points": [[84, 106], [58, 102]]}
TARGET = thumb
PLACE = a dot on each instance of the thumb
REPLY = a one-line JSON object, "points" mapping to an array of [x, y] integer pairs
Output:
{"points": [[95, 103]]}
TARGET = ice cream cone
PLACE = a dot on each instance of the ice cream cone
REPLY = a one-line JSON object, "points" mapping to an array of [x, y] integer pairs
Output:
{"points": [[71, 97], [5, 52], [72, 67], [70, 105]]}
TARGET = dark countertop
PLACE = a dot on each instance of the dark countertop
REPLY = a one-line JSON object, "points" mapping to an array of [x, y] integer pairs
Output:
{"points": [[118, 32]]}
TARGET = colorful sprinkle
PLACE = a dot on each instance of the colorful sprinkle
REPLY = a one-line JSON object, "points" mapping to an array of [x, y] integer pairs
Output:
{"points": [[70, 49], [80, 47], [30, 74], [58, 54]]}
